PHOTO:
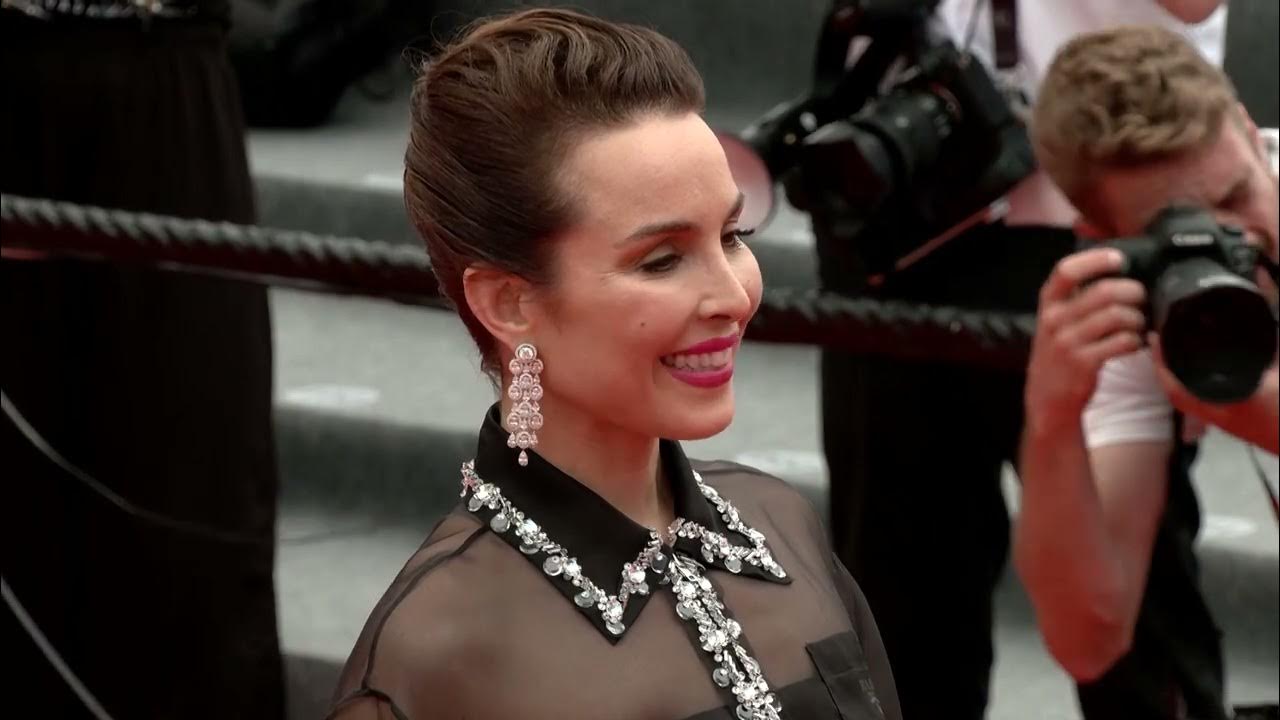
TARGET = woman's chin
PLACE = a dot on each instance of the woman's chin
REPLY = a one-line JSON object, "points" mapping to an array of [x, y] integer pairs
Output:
{"points": [[700, 420]]}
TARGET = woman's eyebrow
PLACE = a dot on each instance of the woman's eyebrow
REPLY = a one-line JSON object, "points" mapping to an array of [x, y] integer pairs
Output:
{"points": [[671, 227]]}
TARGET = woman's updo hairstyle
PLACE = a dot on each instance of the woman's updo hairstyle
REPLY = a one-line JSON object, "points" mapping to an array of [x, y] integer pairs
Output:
{"points": [[494, 114]]}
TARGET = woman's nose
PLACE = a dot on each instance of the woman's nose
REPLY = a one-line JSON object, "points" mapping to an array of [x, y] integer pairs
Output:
{"points": [[728, 293]]}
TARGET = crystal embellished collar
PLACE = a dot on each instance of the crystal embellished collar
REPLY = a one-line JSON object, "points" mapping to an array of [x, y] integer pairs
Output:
{"points": [[697, 601], [599, 536]]}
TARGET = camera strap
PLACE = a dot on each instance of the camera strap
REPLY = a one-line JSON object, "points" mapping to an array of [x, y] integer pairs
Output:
{"points": [[1004, 33], [1272, 268], [1011, 78], [1270, 489]]}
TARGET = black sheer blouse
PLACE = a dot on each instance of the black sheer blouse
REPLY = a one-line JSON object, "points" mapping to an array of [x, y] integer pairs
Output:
{"points": [[535, 598]]}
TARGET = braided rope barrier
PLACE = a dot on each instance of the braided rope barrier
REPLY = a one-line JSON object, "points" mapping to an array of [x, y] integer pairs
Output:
{"points": [[35, 227], [372, 267]]}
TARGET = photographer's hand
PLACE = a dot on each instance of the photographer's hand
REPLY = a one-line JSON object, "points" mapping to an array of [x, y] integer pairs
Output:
{"points": [[1088, 518], [1255, 420], [1082, 322]]}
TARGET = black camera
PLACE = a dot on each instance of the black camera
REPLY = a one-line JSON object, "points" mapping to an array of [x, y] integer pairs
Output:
{"points": [[1217, 330], [941, 145], [908, 142]]}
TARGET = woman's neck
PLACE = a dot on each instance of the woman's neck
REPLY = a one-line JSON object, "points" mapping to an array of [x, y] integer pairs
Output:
{"points": [[619, 466]]}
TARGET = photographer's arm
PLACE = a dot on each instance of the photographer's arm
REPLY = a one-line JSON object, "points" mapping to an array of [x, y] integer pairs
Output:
{"points": [[1087, 523], [1083, 541]]}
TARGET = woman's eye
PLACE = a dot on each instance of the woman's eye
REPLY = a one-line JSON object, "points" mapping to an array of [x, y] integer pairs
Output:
{"points": [[734, 238], [662, 264], [666, 263]]}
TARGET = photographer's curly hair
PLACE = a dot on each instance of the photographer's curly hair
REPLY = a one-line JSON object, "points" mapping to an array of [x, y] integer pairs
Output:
{"points": [[1122, 97]]}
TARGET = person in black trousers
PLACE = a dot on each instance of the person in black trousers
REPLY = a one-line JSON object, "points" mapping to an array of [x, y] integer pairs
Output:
{"points": [[159, 385], [915, 450]]}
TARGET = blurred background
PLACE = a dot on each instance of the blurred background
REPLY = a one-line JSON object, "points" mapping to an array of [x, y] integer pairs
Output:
{"points": [[376, 403]]}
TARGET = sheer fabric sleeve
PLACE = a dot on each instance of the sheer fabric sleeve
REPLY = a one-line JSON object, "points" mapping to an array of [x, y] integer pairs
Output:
{"points": [[800, 526], [860, 616], [872, 645], [395, 650]]}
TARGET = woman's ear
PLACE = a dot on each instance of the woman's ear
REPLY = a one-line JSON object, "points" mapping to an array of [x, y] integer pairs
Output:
{"points": [[497, 299]]}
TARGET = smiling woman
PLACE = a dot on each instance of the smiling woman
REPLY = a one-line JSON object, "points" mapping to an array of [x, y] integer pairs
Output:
{"points": [[582, 218]]}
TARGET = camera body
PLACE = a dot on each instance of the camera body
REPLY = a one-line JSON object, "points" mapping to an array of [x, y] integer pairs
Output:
{"points": [[1217, 330], [939, 146], [910, 141]]}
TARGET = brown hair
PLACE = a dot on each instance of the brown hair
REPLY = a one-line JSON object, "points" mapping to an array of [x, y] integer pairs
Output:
{"points": [[1122, 97], [495, 113]]}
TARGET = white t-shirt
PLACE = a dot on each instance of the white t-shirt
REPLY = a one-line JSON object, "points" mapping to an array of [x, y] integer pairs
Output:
{"points": [[1130, 405], [1044, 26]]}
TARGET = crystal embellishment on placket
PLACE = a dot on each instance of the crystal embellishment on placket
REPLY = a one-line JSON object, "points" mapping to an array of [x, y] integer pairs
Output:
{"points": [[696, 598], [718, 635]]}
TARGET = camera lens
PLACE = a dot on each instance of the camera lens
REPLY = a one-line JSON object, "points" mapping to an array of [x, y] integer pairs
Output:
{"points": [[911, 126], [1217, 331], [881, 150]]}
